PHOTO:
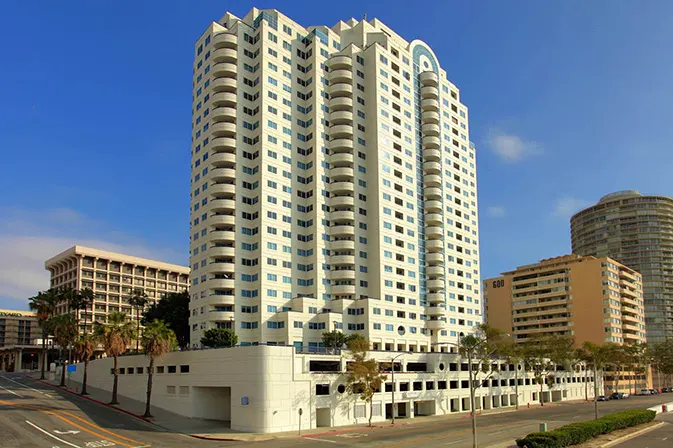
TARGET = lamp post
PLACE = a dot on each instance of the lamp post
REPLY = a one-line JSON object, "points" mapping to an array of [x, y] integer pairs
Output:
{"points": [[392, 406]]}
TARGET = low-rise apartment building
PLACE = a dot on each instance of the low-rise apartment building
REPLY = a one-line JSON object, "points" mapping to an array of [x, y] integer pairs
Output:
{"points": [[18, 333]]}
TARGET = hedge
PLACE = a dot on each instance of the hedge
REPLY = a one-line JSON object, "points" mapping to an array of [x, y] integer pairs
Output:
{"points": [[577, 433]]}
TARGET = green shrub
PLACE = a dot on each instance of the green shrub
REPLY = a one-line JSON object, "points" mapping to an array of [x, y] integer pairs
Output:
{"points": [[576, 433]]}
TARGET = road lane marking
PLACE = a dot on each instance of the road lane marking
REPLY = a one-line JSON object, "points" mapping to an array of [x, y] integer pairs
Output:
{"points": [[441, 436], [66, 432], [52, 436], [11, 392], [21, 384], [319, 440], [114, 434]]}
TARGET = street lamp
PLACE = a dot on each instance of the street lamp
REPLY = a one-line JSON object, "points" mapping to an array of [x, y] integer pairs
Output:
{"points": [[392, 366]]}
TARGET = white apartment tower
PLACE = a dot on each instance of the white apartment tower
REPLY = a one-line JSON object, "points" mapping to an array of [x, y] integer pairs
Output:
{"points": [[333, 186]]}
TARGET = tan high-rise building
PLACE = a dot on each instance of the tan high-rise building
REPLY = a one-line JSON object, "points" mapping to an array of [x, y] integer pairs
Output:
{"points": [[591, 299], [637, 231], [113, 277], [333, 185]]}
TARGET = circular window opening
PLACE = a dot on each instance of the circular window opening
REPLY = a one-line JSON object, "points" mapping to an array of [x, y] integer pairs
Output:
{"points": [[400, 330], [425, 64], [341, 388], [441, 366]]}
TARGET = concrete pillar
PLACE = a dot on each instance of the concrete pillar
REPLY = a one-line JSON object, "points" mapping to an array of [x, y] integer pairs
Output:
{"points": [[19, 362]]}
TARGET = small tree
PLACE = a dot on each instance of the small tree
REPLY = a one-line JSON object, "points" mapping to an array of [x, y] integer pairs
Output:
{"points": [[334, 339], [158, 340], [542, 354], [138, 301], [513, 353], [65, 333], [219, 337], [115, 336], [85, 346], [364, 377], [597, 356], [173, 309]]}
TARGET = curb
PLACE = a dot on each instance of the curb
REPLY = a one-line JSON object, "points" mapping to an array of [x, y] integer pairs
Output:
{"points": [[633, 435], [224, 439]]}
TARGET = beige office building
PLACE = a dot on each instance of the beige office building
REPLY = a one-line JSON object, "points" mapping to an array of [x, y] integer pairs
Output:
{"points": [[112, 277], [333, 186], [637, 231], [18, 333]]}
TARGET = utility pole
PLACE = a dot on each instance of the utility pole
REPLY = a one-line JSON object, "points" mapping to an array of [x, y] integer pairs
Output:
{"points": [[472, 410], [392, 407]]}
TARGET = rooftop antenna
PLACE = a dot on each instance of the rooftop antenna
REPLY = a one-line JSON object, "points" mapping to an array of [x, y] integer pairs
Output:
{"points": [[365, 17]]}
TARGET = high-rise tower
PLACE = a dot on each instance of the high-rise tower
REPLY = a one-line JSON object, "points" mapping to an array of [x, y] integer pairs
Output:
{"points": [[333, 186]]}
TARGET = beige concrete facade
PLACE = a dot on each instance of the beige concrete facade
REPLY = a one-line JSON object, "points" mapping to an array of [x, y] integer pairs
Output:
{"points": [[112, 277], [637, 231], [19, 332], [333, 186]]}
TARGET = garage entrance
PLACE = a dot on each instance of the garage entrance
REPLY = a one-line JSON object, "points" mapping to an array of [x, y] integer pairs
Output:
{"points": [[323, 419], [212, 403], [424, 408]]}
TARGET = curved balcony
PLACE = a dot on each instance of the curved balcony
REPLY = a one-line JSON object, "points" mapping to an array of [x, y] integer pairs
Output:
{"points": [[341, 75], [224, 85], [429, 92], [341, 187], [222, 205], [224, 69], [429, 116], [223, 99], [429, 79], [342, 274], [432, 154], [435, 311], [220, 251], [220, 316], [341, 173], [431, 142], [436, 284], [432, 168], [228, 189], [343, 103], [223, 174], [435, 271], [221, 268], [225, 55], [341, 117], [224, 144], [221, 283], [430, 104], [342, 216], [435, 324], [340, 90], [434, 232], [341, 159], [430, 129], [224, 236], [341, 201], [228, 220], [432, 180], [341, 260], [225, 40], [225, 113], [432, 193], [223, 129], [343, 289], [340, 145], [435, 259], [340, 62], [435, 297], [433, 219], [342, 231], [434, 246], [433, 206], [342, 245], [341, 131], [222, 158]]}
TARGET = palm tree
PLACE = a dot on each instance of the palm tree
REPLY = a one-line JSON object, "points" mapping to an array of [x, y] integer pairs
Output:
{"points": [[44, 304], [115, 336], [158, 339], [87, 297], [138, 300], [65, 333], [76, 303], [85, 345]]}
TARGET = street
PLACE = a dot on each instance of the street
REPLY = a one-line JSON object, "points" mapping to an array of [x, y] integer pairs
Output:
{"points": [[659, 438], [34, 415]]}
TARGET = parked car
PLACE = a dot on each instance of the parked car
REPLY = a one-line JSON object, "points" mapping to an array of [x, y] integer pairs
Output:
{"points": [[617, 396], [654, 391], [645, 392], [667, 390], [625, 395], [603, 398]]}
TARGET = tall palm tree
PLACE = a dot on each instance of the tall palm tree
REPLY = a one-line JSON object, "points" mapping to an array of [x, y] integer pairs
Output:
{"points": [[44, 305], [76, 303], [87, 296], [115, 336], [138, 300], [85, 345], [65, 333], [158, 339]]}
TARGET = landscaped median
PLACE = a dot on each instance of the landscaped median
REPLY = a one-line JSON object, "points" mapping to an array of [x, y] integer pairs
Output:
{"points": [[577, 433]]}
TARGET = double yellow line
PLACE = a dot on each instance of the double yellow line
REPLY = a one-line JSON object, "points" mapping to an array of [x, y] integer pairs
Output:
{"points": [[113, 437]]}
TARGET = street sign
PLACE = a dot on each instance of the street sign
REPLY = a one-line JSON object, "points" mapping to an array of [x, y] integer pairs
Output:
{"points": [[71, 368]]}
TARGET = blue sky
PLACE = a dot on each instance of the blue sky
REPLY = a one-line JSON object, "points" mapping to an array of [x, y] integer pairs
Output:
{"points": [[568, 100]]}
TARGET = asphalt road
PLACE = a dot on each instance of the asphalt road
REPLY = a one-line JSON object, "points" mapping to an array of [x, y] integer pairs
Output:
{"points": [[659, 438], [33, 415]]}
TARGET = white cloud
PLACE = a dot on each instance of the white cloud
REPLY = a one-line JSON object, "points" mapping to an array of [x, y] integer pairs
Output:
{"points": [[496, 211], [28, 238], [512, 148], [566, 206]]}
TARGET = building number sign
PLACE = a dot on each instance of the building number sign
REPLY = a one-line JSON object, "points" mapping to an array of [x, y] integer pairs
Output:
{"points": [[498, 283]]}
